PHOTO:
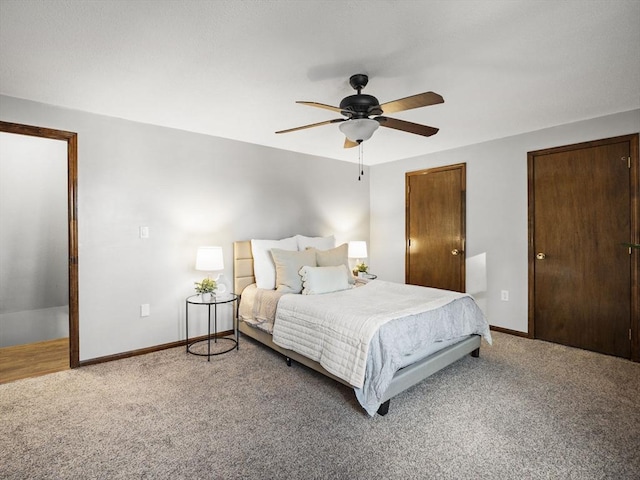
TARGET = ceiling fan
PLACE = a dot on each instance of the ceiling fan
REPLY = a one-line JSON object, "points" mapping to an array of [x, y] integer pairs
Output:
{"points": [[358, 127]]}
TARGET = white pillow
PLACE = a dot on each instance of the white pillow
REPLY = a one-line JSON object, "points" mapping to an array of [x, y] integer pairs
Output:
{"points": [[317, 280], [321, 243], [263, 267]]}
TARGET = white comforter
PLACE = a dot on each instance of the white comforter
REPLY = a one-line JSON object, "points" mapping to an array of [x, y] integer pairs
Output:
{"points": [[336, 329]]}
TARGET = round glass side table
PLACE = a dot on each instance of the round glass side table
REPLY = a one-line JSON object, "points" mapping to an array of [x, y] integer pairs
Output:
{"points": [[215, 344]]}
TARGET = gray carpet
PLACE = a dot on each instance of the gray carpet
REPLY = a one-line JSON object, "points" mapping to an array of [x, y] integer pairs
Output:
{"points": [[524, 410]]}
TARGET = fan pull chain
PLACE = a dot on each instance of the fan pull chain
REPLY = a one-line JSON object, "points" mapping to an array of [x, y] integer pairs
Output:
{"points": [[360, 160]]}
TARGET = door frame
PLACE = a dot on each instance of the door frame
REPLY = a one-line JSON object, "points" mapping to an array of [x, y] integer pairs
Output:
{"points": [[72, 214], [634, 167], [463, 213]]}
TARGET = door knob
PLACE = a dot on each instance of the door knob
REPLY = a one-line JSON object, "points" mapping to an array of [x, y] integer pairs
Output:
{"points": [[541, 256], [455, 252]]}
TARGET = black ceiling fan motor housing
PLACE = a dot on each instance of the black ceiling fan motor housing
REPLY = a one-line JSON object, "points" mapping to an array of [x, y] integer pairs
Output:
{"points": [[360, 105]]}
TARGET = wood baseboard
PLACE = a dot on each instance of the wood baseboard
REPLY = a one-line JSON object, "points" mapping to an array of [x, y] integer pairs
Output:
{"points": [[144, 351], [510, 332]]}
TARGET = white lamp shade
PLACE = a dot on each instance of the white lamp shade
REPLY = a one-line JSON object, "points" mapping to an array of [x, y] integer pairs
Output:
{"points": [[359, 129], [209, 259], [358, 249]]}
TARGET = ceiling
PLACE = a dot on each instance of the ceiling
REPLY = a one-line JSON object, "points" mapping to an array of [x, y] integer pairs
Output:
{"points": [[234, 69]]}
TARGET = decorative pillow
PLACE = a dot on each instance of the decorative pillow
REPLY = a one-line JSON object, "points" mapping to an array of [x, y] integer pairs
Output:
{"points": [[288, 264], [335, 256], [321, 243], [263, 267], [318, 280]]}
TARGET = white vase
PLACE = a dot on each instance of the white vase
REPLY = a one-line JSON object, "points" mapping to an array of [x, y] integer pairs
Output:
{"points": [[206, 297]]}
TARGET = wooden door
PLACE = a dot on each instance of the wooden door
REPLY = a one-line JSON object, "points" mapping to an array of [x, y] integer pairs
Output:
{"points": [[435, 227], [581, 209]]}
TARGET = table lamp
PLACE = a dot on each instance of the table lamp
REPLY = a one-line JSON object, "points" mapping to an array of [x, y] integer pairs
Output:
{"points": [[210, 259], [358, 250]]}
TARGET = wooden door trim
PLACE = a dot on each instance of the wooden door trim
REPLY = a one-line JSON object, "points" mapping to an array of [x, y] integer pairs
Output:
{"points": [[531, 247], [72, 213], [632, 139], [635, 229], [463, 221]]}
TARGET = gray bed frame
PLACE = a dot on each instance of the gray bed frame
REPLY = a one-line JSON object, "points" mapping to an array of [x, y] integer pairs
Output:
{"points": [[402, 380]]}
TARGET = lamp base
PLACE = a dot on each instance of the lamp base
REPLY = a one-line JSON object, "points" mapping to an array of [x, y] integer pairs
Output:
{"points": [[223, 285]]}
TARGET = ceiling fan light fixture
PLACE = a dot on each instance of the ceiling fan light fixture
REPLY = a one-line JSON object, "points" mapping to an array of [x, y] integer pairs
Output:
{"points": [[359, 129]]}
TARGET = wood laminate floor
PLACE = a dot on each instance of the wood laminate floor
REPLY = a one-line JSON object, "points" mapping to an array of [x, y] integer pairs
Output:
{"points": [[33, 359]]}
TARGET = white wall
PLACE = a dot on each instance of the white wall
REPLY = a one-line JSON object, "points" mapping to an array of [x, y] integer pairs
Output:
{"points": [[496, 211], [190, 190]]}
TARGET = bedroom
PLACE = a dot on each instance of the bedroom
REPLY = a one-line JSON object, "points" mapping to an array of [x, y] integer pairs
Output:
{"points": [[133, 174], [136, 173]]}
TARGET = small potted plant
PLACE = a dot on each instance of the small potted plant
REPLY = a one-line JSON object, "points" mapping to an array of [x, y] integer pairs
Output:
{"points": [[206, 288], [359, 269]]}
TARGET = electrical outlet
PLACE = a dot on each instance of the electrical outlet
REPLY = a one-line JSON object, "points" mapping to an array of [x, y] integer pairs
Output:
{"points": [[145, 310], [504, 295]]}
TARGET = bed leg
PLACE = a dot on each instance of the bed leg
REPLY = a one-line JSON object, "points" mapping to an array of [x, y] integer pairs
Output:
{"points": [[476, 353], [288, 362], [384, 408]]}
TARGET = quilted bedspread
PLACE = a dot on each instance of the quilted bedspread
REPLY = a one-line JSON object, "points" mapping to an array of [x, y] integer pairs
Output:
{"points": [[335, 329]]}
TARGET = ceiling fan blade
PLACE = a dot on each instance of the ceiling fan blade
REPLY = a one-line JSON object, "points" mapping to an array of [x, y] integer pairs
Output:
{"points": [[405, 126], [321, 105], [326, 122], [349, 144], [415, 101]]}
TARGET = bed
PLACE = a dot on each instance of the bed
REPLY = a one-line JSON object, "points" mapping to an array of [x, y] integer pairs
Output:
{"points": [[299, 314]]}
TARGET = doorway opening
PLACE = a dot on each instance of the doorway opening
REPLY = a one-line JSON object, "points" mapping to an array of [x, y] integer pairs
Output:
{"points": [[36, 354]]}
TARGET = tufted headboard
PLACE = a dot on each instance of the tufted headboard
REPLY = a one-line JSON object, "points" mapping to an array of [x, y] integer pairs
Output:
{"points": [[242, 266]]}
